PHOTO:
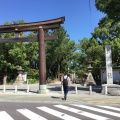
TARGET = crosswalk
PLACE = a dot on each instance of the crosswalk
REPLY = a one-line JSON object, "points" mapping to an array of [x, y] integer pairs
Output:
{"points": [[65, 112]]}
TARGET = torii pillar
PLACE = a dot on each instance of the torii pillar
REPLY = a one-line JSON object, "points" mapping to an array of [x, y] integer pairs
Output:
{"points": [[42, 62]]}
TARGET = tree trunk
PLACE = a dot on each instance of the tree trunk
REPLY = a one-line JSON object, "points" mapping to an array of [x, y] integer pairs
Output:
{"points": [[58, 71], [5, 76]]}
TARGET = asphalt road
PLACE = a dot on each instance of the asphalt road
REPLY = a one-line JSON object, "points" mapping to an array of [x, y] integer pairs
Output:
{"points": [[21, 105], [51, 111]]}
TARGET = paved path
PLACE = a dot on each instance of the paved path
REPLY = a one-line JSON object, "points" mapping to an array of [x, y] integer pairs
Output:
{"points": [[55, 95]]}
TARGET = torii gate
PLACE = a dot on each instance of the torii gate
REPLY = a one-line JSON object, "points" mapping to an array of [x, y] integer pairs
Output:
{"points": [[34, 26]]}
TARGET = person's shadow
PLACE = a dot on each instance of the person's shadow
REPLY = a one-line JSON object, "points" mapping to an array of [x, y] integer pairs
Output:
{"points": [[57, 97]]}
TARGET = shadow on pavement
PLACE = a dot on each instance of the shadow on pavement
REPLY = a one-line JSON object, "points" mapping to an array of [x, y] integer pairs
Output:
{"points": [[96, 89], [55, 89], [57, 97]]}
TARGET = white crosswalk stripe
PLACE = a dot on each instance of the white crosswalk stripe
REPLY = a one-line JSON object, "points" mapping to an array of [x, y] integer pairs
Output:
{"points": [[31, 115], [57, 113], [98, 110], [5, 116], [69, 112], [80, 112], [109, 107]]}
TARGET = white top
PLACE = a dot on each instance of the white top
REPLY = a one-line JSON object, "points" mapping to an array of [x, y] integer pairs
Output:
{"points": [[68, 78]]}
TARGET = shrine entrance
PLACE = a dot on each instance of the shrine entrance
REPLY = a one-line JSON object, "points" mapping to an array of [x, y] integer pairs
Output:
{"points": [[34, 26]]}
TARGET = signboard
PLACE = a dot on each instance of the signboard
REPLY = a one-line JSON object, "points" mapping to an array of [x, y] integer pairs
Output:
{"points": [[24, 74], [109, 72]]}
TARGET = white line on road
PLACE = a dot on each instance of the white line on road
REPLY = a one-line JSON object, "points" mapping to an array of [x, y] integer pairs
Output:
{"points": [[5, 116], [109, 107], [80, 112], [31, 115], [57, 113], [98, 110]]}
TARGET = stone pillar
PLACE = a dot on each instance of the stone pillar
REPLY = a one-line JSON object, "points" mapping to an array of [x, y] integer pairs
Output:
{"points": [[42, 63]]}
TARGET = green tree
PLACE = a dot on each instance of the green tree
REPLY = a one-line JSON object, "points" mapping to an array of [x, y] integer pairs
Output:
{"points": [[108, 33], [110, 7], [32, 56], [91, 52], [106, 30], [116, 51], [12, 55], [59, 53]]}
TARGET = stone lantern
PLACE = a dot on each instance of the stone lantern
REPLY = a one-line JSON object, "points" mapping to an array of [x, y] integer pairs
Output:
{"points": [[90, 68], [90, 80], [19, 79]]}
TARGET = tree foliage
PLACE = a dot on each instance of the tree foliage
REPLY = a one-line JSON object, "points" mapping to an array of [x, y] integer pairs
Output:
{"points": [[91, 52], [59, 52], [12, 55], [110, 7], [106, 30]]}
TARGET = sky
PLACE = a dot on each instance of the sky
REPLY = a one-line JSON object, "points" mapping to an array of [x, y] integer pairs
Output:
{"points": [[80, 17]]}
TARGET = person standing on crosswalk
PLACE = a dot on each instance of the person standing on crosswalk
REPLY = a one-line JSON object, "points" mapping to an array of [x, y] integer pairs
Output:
{"points": [[65, 82]]}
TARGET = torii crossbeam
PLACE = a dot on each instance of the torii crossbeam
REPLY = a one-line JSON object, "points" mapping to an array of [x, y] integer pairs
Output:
{"points": [[40, 27]]}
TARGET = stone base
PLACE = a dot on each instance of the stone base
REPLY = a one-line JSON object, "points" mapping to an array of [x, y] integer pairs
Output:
{"points": [[88, 83], [43, 89], [20, 82], [114, 92], [112, 89]]}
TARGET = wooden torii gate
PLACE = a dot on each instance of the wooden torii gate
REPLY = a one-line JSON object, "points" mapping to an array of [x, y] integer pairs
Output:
{"points": [[34, 26]]}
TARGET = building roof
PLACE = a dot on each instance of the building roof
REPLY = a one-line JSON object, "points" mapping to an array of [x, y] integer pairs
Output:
{"points": [[114, 67]]}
